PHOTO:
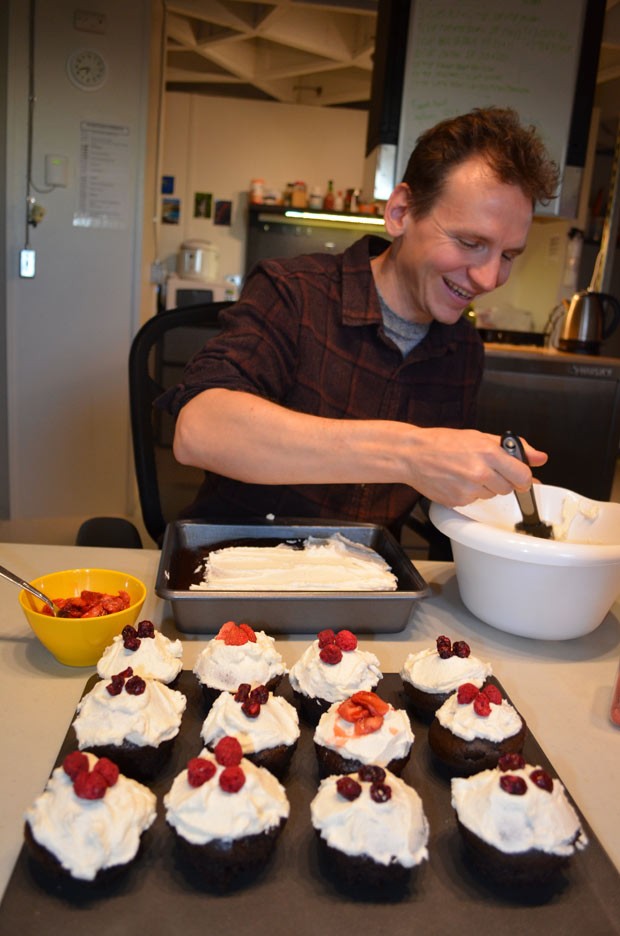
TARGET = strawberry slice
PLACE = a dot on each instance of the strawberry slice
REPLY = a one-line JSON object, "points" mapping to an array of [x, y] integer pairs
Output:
{"points": [[368, 724], [371, 701], [351, 711], [247, 630]]}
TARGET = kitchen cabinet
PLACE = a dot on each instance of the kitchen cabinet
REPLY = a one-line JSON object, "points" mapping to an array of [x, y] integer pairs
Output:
{"points": [[565, 404]]}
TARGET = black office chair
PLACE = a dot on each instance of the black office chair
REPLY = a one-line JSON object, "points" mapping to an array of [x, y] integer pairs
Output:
{"points": [[158, 354]]}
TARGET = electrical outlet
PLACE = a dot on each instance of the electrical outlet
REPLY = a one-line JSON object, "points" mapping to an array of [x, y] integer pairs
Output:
{"points": [[89, 21], [27, 258]]}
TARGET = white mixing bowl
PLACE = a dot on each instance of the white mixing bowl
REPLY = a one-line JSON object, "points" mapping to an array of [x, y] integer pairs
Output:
{"points": [[548, 589]]}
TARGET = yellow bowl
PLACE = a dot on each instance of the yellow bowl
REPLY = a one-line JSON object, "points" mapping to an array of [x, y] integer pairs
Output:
{"points": [[81, 641]]}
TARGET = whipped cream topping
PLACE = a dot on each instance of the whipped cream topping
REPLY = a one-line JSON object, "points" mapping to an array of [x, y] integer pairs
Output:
{"points": [[462, 720], [156, 656], [87, 836], [428, 672], [513, 824], [276, 723], [145, 720], [201, 814], [396, 830], [358, 669], [393, 740], [334, 563], [224, 666]]}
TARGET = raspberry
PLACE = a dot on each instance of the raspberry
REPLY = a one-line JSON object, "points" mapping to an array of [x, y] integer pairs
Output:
{"points": [[380, 792], [232, 635], [90, 785], [228, 751], [199, 770], [135, 685], [513, 785], [260, 694], [348, 788], [108, 770], [346, 640], [371, 773], [493, 694], [146, 629], [249, 633], [460, 649], [482, 706], [331, 654], [232, 779], [511, 762], [542, 779], [75, 763], [326, 637], [251, 708], [242, 692], [466, 693]]}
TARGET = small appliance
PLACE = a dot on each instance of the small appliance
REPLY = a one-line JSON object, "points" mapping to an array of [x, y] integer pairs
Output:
{"points": [[198, 260], [591, 318]]}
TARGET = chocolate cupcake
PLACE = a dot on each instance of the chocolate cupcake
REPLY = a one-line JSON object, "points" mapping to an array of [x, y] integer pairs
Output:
{"points": [[146, 651], [431, 675], [364, 729], [238, 654], [474, 728], [266, 726], [517, 825], [131, 720], [87, 824], [226, 814], [330, 670], [371, 828]]}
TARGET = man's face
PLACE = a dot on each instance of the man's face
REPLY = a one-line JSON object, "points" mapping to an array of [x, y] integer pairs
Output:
{"points": [[463, 248]]}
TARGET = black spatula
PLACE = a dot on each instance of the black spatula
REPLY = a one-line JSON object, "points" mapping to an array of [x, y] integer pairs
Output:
{"points": [[531, 523]]}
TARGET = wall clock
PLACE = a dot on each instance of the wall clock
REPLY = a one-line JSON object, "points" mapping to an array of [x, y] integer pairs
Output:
{"points": [[87, 69]]}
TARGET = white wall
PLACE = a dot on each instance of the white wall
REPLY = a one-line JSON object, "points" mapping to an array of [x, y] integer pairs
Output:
{"points": [[69, 328], [219, 145]]}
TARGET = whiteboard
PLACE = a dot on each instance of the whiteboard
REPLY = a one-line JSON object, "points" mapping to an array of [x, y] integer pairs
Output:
{"points": [[477, 53]]}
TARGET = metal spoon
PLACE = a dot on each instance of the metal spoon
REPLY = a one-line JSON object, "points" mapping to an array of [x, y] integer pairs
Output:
{"points": [[11, 577], [531, 522]]}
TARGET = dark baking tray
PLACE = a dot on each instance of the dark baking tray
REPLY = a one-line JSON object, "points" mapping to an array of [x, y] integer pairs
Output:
{"points": [[294, 895], [200, 612]]}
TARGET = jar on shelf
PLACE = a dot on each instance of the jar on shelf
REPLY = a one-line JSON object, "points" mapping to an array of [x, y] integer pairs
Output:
{"points": [[299, 195]]}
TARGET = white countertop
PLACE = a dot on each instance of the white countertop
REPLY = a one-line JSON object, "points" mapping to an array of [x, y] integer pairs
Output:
{"points": [[563, 689]]}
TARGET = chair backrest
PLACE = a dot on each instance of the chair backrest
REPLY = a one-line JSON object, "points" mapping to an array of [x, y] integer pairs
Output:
{"points": [[159, 351]]}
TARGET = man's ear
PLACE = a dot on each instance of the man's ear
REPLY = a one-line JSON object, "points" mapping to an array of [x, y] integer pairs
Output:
{"points": [[397, 212]]}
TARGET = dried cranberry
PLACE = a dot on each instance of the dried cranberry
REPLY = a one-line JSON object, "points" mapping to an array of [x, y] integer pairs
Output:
{"points": [[228, 751], [371, 773], [199, 770], [346, 640], [348, 788], [443, 641], [232, 779], [542, 779], [124, 675], [108, 770], [260, 694], [131, 643], [444, 651], [74, 763], [511, 762], [128, 631], [135, 685], [90, 785], [251, 708], [482, 706], [331, 654], [115, 687], [511, 784], [326, 637], [461, 649], [493, 694], [242, 692], [380, 792], [146, 629], [466, 693]]}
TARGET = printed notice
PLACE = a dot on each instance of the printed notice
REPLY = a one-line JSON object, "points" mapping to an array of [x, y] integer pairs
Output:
{"points": [[104, 190]]}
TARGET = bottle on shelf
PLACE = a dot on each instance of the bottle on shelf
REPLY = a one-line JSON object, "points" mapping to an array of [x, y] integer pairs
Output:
{"points": [[329, 202], [339, 201]]}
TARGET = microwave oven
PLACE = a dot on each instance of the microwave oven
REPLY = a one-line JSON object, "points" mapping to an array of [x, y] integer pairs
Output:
{"points": [[180, 291]]}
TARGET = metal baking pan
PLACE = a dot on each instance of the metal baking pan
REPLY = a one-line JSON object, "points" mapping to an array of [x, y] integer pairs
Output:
{"points": [[200, 612]]}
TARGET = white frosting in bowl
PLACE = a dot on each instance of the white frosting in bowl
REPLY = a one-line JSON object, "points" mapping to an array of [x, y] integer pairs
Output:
{"points": [[393, 831], [333, 682], [156, 656], [513, 824], [202, 814], [464, 722], [224, 666], [146, 719], [277, 723], [87, 836], [427, 671], [393, 740]]}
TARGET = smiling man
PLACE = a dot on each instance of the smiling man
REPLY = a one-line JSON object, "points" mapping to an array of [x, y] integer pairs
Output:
{"points": [[344, 386]]}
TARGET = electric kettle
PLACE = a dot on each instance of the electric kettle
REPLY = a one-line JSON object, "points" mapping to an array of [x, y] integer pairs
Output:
{"points": [[591, 318]]}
